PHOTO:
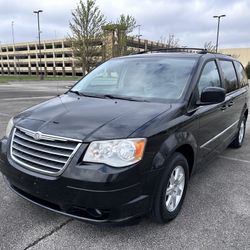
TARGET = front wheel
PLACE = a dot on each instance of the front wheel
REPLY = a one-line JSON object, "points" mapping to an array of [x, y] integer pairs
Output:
{"points": [[172, 189], [238, 141]]}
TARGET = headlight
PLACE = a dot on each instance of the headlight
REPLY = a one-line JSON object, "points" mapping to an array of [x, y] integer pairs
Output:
{"points": [[116, 153], [9, 127]]}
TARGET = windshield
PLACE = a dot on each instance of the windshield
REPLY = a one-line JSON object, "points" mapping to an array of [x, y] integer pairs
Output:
{"points": [[142, 78]]}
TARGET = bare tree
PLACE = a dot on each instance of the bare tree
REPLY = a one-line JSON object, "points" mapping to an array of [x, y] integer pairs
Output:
{"points": [[171, 42], [86, 29], [248, 70]]}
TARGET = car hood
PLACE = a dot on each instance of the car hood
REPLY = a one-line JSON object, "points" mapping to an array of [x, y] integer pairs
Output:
{"points": [[87, 118]]}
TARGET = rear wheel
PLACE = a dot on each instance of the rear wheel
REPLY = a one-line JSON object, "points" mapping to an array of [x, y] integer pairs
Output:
{"points": [[172, 189], [238, 141]]}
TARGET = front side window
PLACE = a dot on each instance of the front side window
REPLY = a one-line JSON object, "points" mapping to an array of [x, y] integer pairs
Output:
{"points": [[229, 75], [241, 74], [209, 77], [141, 78]]}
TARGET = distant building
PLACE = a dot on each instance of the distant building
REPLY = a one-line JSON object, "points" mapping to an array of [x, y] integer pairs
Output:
{"points": [[23, 58], [242, 54], [57, 57]]}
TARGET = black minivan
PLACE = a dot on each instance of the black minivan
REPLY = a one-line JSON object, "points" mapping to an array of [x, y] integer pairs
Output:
{"points": [[125, 139]]}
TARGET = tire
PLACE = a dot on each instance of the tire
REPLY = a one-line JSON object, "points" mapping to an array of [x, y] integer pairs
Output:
{"points": [[238, 141], [162, 210]]}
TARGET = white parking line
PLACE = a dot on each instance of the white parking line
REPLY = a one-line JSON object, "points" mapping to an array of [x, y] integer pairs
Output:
{"points": [[3, 114], [26, 98], [234, 159]]}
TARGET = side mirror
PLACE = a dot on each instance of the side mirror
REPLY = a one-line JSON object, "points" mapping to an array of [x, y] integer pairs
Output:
{"points": [[212, 95]]}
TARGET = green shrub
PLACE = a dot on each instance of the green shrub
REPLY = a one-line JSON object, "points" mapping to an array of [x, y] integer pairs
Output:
{"points": [[248, 70]]}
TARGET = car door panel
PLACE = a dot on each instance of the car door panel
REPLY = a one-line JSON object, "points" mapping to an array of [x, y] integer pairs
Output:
{"points": [[212, 122], [212, 118], [234, 98]]}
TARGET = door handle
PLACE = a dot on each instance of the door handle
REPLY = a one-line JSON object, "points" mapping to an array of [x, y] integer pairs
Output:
{"points": [[224, 107], [230, 104]]}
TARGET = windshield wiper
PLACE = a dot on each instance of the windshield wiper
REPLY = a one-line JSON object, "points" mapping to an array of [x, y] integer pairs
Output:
{"points": [[86, 94], [124, 98], [107, 96], [75, 92]]}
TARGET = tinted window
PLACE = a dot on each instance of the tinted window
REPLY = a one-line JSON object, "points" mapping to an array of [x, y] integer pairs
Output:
{"points": [[241, 74], [229, 75], [209, 77], [144, 78]]}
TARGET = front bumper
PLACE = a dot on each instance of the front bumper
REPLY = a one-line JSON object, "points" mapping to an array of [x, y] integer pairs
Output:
{"points": [[94, 193]]}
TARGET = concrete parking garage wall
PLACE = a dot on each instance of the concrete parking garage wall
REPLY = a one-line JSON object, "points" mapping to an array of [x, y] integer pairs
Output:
{"points": [[57, 56]]}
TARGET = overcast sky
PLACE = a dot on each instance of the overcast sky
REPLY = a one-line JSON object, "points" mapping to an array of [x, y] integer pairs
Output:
{"points": [[191, 21]]}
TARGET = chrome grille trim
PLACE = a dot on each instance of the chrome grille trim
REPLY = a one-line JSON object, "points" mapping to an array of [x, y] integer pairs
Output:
{"points": [[44, 150], [37, 155], [48, 155], [50, 137], [38, 148], [43, 143], [36, 162]]}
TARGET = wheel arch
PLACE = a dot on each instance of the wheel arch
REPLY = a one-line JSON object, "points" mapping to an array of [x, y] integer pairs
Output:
{"points": [[246, 113], [188, 152], [181, 142]]}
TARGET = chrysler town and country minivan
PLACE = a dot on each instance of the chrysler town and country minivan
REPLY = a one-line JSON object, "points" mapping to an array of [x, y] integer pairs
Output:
{"points": [[125, 139]]}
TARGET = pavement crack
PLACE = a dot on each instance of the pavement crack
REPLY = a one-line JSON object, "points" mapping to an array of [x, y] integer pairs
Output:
{"points": [[57, 228]]}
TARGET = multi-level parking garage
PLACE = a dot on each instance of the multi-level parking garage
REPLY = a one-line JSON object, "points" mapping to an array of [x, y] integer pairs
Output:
{"points": [[57, 57], [24, 58]]}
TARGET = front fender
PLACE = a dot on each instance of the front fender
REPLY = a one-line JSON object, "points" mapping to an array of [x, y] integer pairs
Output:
{"points": [[171, 145]]}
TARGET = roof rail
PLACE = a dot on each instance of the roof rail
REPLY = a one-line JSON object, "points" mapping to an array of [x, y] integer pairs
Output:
{"points": [[181, 49]]}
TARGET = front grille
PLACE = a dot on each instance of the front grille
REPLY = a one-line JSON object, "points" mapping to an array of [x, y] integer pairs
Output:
{"points": [[42, 153]]}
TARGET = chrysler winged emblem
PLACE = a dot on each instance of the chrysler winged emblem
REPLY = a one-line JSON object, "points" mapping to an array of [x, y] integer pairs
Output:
{"points": [[37, 136]]}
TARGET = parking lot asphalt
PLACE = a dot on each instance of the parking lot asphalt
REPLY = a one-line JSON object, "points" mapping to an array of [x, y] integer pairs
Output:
{"points": [[215, 214]]}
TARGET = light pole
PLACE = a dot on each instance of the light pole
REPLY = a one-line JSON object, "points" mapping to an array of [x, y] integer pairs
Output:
{"points": [[14, 50], [12, 33], [218, 30], [39, 42], [139, 34]]}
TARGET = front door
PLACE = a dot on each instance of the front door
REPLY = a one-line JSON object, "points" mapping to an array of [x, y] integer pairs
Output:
{"points": [[212, 118]]}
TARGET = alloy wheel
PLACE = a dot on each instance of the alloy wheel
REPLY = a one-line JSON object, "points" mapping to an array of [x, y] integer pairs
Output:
{"points": [[175, 188], [241, 131]]}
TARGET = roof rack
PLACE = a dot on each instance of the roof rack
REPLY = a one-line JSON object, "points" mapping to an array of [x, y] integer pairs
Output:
{"points": [[181, 49]]}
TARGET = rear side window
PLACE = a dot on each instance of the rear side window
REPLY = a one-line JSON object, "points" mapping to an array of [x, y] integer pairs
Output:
{"points": [[209, 77], [241, 74], [229, 75]]}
